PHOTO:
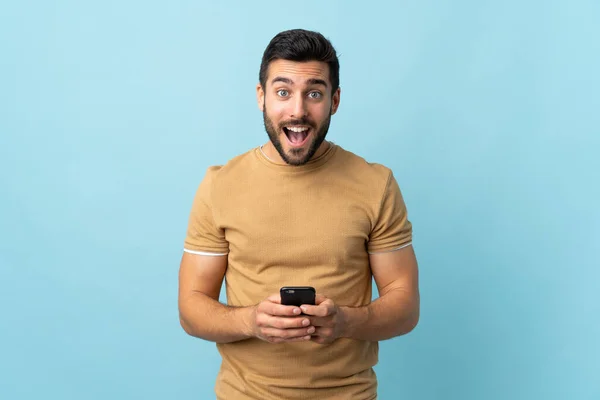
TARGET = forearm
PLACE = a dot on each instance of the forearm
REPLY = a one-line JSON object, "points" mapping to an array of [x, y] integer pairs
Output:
{"points": [[393, 314], [203, 317]]}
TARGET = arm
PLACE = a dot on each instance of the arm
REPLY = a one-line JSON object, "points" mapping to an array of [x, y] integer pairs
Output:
{"points": [[396, 311], [202, 315]]}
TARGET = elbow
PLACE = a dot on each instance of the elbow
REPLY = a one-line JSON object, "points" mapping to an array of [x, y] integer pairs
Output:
{"points": [[410, 323], [186, 326]]}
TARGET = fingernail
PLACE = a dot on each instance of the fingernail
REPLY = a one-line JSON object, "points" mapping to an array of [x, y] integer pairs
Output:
{"points": [[305, 322], [303, 308], [311, 329], [306, 337], [296, 311]]}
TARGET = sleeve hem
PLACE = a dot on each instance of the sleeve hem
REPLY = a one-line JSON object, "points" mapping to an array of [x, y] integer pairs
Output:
{"points": [[377, 251], [204, 253]]}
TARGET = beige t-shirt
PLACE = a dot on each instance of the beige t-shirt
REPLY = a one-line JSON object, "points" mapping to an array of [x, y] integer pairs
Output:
{"points": [[311, 225]]}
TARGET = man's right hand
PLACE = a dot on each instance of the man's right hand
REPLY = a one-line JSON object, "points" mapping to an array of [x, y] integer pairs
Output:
{"points": [[276, 323]]}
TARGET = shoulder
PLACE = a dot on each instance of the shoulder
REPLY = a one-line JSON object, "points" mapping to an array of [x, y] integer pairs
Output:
{"points": [[233, 170], [372, 174]]}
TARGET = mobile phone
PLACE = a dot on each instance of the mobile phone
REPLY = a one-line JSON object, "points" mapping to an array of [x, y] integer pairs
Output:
{"points": [[297, 295]]}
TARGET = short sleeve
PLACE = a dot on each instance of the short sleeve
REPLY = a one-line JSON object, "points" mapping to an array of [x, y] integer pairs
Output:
{"points": [[392, 229], [203, 234]]}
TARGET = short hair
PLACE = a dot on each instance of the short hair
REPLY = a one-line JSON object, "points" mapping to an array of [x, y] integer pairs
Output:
{"points": [[301, 45]]}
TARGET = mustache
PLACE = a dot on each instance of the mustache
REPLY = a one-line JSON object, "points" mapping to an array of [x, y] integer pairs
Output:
{"points": [[296, 122]]}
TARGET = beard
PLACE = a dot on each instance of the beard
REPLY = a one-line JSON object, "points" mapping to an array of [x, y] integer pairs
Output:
{"points": [[294, 155]]}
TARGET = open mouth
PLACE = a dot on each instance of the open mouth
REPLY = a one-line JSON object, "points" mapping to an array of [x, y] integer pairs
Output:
{"points": [[297, 135]]}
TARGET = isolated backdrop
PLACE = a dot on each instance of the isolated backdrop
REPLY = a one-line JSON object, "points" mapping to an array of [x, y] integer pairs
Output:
{"points": [[488, 113]]}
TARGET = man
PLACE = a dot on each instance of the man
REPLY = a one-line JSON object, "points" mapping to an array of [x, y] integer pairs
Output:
{"points": [[298, 211]]}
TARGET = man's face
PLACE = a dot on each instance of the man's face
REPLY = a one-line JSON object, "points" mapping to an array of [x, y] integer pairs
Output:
{"points": [[297, 106]]}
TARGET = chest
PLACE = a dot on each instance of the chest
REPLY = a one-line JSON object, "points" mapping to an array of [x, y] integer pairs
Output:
{"points": [[297, 223]]}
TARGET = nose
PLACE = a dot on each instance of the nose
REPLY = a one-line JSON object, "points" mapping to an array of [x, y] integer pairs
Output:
{"points": [[298, 108]]}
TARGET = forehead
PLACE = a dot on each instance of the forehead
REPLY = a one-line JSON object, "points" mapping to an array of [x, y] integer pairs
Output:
{"points": [[298, 71]]}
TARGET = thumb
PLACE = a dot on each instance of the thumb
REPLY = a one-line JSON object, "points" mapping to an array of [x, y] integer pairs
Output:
{"points": [[275, 298]]}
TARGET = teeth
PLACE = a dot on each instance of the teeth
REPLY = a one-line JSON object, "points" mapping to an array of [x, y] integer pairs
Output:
{"points": [[297, 128]]}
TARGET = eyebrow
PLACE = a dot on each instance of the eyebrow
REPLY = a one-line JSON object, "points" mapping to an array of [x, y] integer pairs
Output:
{"points": [[312, 81]]}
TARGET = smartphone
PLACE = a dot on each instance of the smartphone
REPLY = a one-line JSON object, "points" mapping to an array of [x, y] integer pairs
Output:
{"points": [[297, 295]]}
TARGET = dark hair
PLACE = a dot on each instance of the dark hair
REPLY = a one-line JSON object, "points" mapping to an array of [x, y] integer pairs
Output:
{"points": [[301, 45]]}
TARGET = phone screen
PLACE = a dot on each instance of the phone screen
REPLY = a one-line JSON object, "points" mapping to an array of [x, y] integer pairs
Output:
{"points": [[297, 295]]}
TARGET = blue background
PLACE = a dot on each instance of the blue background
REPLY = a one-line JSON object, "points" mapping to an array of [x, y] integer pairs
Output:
{"points": [[488, 113]]}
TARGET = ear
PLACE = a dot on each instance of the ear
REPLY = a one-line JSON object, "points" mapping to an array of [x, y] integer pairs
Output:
{"points": [[260, 97], [335, 101]]}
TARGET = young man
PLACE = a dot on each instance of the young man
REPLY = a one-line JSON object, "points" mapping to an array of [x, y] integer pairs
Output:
{"points": [[298, 211]]}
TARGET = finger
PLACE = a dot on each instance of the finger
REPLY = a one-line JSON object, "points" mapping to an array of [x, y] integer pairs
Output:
{"points": [[299, 339], [321, 332], [317, 339], [287, 322], [321, 321], [282, 340], [275, 298], [281, 310], [325, 334], [319, 299], [313, 310], [320, 339], [287, 333], [273, 308], [322, 310]]}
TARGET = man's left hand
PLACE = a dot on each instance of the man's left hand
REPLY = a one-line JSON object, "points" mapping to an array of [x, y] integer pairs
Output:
{"points": [[327, 318]]}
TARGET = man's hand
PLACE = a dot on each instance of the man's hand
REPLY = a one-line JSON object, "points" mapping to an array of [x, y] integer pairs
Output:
{"points": [[327, 318], [276, 323]]}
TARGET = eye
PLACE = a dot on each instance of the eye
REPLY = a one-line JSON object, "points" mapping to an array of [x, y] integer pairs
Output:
{"points": [[314, 95], [282, 93]]}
